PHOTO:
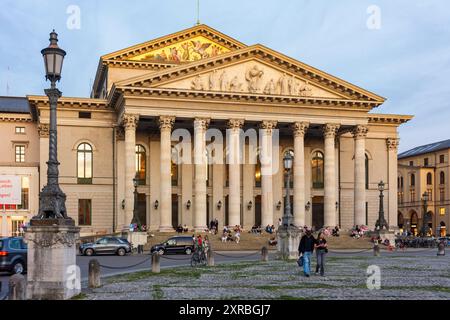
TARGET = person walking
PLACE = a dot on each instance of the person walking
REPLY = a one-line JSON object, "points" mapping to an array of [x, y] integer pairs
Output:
{"points": [[305, 249], [321, 247]]}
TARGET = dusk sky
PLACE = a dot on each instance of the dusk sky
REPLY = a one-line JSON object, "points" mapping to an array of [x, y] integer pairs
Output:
{"points": [[406, 59]]}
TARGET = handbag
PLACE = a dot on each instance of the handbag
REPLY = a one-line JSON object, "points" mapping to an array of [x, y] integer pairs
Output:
{"points": [[300, 261]]}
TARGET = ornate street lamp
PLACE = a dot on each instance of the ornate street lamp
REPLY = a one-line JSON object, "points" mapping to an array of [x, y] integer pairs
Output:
{"points": [[52, 199], [287, 217], [135, 219], [425, 226], [381, 222]]}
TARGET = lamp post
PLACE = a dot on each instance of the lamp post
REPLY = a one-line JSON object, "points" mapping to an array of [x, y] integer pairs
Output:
{"points": [[52, 199], [287, 217], [381, 222], [425, 226], [52, 235], [135, 219]]}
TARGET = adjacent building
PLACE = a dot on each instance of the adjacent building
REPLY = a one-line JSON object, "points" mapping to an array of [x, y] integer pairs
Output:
{"points": [[421, 170], [202, 122]]}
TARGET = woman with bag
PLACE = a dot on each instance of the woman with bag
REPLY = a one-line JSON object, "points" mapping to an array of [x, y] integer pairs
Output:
{"points": [[321, 249]]}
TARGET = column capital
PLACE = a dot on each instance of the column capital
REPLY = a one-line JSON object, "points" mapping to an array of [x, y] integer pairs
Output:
{"points": [[201, 123], [268, 125], [130, 121], [330, 130], [235, 123], [360, 132], [300, 128], [392, 143], [166, 122], [44, 130]]}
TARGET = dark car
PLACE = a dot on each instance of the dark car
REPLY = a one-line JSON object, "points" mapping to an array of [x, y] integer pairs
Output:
{"points": [[106, 245], [175, 245], [13, 255]]}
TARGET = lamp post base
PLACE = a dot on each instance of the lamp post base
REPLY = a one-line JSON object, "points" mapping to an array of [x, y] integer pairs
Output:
{"points": [[288, 242], [53, 273]]}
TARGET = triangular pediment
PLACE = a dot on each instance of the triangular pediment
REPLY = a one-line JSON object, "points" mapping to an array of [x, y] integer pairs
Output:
{"points": [[193, 44], [255, 70]]}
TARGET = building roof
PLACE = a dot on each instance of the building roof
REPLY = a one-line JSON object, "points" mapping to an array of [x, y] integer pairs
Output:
{"points": [[432, 147], [14, 105]]}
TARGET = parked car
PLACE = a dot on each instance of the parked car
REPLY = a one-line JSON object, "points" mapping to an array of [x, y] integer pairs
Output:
{"points": [[13, 255], [175, 245], [106, 245]]}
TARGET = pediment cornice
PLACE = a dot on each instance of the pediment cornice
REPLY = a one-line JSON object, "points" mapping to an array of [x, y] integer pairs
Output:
{"points": [[265, 55]]}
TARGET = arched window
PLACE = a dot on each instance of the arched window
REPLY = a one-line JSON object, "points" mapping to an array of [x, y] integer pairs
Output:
{"points": [[84, 163], [413, 180], [401, 182], [367, 172], [442, 178], [317, 164], [141, 161], [429, 179]]}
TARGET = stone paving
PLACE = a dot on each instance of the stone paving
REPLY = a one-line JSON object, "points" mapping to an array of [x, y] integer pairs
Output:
{"points": [[403, 276]]}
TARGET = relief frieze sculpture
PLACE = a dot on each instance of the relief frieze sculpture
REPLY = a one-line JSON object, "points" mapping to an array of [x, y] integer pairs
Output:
{"points": [[253, 80]]}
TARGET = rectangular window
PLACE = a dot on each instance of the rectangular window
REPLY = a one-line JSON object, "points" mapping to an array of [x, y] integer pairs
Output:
{"points": [[20, 153], [411, 163], [442, 194], [84, 212], [84, 115], [442, 211], [412, 196], [430, 194], [425, 162], [20, 130], [441, 158], [25, 194]]}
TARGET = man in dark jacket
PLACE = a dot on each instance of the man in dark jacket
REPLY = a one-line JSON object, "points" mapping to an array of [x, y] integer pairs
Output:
{"points": [[306, 249]]}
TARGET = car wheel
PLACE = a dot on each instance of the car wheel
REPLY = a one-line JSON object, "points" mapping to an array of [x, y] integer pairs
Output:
{"points": [[18, 268], [88, 252], [121, 252], [161, 252], [188, 251]]}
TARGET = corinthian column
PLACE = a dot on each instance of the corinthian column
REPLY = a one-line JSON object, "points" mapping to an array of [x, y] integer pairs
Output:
{"points": [[299, 129], [165, 126], [130, 122], [200, 162], [392, 147], [359, 134], [266, 157], [234, 126], [329, 132]]}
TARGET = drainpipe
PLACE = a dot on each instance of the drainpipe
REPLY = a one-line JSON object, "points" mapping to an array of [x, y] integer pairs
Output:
{"points": [[339, 181], [114, 179]]}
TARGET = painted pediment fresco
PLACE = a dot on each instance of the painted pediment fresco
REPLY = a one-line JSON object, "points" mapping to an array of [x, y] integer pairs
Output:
{"points": [[251, 77], [190, 50]]}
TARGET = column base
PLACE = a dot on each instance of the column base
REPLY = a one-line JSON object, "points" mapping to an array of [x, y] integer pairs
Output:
{"points": [[53, 273], [201, 229], [288, 242], [166, 229]]}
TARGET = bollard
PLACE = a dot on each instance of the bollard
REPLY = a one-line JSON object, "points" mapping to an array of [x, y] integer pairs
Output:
{"points": [[156, 268], [210, 258], [264, 254], [17, 287], [441, 249], [94, 274], [376, 250]]}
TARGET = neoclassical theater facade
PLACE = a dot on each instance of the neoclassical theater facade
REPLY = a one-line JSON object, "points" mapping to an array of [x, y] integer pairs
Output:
{"points": [[202, 122]]}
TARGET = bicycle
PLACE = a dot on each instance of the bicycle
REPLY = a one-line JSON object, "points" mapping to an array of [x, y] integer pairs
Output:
{"points": [[198, 258]]}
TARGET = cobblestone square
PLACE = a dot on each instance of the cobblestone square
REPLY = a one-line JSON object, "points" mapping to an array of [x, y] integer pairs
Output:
{"points": [[407, 275]]}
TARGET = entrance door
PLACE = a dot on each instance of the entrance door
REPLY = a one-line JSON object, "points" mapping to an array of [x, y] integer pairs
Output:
{"points": [[258, 219], [226, 211], [175, 222], [142, 208], [318, 219]]}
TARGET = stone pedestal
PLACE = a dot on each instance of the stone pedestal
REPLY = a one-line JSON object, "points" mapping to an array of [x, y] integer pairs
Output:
{"points": [[288, 242], [385, 234], [52, 270], [137, 238]]}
